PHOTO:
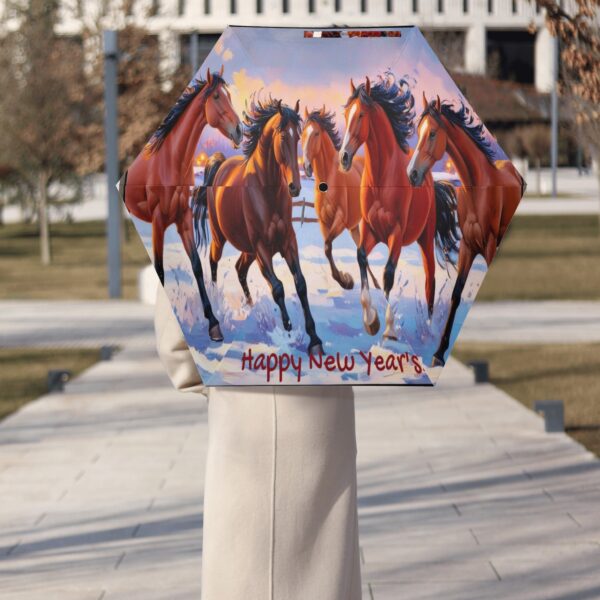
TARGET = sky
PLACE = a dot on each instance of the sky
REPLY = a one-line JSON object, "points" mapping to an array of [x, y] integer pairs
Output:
{"points": [[282, 62]]}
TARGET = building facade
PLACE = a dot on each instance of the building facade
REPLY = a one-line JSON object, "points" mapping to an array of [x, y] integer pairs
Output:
{"points": [[502, 38]]}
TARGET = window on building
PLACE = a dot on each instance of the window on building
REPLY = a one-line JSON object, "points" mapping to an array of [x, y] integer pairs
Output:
{"points": [[285, 6], [514, 7], [233, 7], [338, 5], [465, 6], [390, 6], [510, 55], [415, 6], [440, 6], [206, 42], [490, 6], [207, 7], [449, 45], [154, 8], [259, 6], [363, 6], [180, 7], [311, 6]]}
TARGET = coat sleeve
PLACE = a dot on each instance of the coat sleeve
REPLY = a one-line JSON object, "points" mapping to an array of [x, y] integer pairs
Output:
{"points": [[173, 349]]}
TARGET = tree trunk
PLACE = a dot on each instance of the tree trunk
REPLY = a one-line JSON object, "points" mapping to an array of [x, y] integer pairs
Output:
{"points": [[43, 218], [598, 176]]}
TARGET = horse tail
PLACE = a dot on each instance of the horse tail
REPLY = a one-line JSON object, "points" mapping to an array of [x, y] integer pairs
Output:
{"points": [[200, 199], [447, 234]]}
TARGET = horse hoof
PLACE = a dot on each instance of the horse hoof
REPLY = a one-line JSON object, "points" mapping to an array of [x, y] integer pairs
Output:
{"points": [[373, 327], [215, 334], [390, 336], [316, 349], [249, 300], [287, 325], [346, 281], [436, 361]]}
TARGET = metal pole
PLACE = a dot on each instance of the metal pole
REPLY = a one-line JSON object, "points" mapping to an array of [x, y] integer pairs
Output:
{"points": [[554, 116], [194, 52], [111, 137]]}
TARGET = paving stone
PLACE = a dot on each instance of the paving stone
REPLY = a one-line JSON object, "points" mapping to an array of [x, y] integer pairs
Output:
{"points": [[462, 495]]}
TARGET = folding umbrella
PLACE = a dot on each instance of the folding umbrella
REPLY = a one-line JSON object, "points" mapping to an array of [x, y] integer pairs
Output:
{"points": [[321, 207]]}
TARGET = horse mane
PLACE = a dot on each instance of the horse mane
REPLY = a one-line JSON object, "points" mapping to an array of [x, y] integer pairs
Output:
{"points": [[327, 122], [397, 101], [190, 92], [464, 118], [258, 114]]}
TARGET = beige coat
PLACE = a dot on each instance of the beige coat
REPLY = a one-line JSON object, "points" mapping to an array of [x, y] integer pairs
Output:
{"points": [[280, 520]]}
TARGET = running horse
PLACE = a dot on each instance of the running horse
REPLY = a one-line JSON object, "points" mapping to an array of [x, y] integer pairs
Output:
{"points": [[337, 194], [488, 197], [158, 185], [380, 116], [248, 202]]}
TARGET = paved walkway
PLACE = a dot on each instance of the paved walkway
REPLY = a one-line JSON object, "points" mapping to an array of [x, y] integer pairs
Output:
{"points": [[559, 206], [541, 322], [84, 323], [461, 493], [94, 323]]}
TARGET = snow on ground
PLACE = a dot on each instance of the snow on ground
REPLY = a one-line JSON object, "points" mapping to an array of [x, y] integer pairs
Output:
{"points": [[337, 313]]}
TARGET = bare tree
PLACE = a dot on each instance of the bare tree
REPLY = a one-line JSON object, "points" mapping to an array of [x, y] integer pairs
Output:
{"points": [[143, 101], [41, 106], [578, 30], [536, 142]]}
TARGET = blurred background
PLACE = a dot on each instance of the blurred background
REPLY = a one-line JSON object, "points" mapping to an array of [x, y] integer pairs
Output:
{"points": [[54, 193], [462, 492]]}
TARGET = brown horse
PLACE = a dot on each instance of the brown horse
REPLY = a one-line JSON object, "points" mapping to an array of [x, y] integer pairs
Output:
{"points": [[157, 187], [248, 200], [381, 117], [337, 193], [487, 200]]}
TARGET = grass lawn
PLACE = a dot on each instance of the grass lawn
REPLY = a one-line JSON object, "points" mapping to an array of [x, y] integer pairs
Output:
{"points": [[567, 372], [542, 257], [23, 372], [78, 270], [547, 257]]}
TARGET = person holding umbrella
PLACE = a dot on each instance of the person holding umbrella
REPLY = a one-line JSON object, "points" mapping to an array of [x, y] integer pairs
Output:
{"points": [[280, 505]]}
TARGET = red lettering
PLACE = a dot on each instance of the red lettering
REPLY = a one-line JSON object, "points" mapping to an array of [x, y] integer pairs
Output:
{"points": [[348, 364], [416, 361], [367, 358], [330, 363], [315, 361]]}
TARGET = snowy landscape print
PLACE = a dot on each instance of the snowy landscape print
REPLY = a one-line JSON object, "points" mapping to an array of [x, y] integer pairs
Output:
{"points": [[256, 349]]}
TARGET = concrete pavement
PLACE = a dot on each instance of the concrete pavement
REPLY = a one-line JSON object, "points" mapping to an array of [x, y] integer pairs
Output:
{"points": [[461, 493], [85, 323], [559, 206], [547, 321], [73, 323]]}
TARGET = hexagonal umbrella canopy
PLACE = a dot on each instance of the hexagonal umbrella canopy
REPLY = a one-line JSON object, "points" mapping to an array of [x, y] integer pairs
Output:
{"points": [[321, 207]]}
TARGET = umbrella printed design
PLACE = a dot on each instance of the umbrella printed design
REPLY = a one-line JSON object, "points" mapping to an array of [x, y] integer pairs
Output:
{"points": [[321, 207]]}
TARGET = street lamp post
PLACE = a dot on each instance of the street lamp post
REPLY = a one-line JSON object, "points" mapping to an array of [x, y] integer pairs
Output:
{"points": [[554, 117], [194, 52], [111, 137]]}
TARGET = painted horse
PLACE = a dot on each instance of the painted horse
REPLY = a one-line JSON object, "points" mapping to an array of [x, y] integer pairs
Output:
{"points": [[337, 193], [381, 116], [487, 199], [158, 185], [248, 201]]}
